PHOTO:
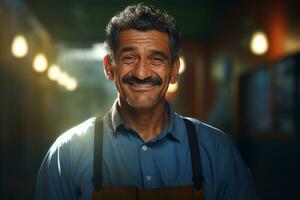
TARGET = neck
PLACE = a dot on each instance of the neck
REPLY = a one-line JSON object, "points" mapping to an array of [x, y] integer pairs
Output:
{"points": [[147, 122]]}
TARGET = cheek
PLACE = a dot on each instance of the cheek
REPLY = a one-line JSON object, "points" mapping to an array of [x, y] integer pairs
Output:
{"points": [[122, 71], [118, 75], [165, 75]]}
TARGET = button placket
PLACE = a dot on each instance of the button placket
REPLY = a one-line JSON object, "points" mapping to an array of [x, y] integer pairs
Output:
{"points": [[144, 147], [146, 163], [148, 178]]}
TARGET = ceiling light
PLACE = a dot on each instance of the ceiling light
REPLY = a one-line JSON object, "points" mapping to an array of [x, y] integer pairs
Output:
{"points": [[19, 47], [71, 84], [259, 43], [40, 63], [54, 72]]}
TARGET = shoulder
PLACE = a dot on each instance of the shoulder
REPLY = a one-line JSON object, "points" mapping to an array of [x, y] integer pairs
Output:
{"points": [[64, 163], [222, 159], [209, 133], [212, 140], [76, 138]]}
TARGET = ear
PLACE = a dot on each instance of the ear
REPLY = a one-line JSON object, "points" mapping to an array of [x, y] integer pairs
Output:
{"points": [[107, 67], [175, 70]]}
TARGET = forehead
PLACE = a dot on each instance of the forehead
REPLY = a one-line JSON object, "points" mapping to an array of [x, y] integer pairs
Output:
{"points": [[151, 39]]}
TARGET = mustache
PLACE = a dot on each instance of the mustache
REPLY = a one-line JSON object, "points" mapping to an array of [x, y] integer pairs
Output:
{"points": [[149, 80]]}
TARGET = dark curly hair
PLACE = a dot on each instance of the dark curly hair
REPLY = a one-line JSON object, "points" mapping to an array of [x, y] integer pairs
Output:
{"points": [[142, 17]]}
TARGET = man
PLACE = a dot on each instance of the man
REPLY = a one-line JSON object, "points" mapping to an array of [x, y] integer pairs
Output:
{"points": [[142, 149]]}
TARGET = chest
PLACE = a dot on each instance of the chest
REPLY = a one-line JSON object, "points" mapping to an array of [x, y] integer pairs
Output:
{"points": [[129, 162]]}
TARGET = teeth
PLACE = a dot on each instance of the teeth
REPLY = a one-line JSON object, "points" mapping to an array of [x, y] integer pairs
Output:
{"points": [[143, 85]]}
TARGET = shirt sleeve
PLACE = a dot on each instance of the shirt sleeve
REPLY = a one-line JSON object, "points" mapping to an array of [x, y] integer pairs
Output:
{"points": [[235, 182], [53, 181]]}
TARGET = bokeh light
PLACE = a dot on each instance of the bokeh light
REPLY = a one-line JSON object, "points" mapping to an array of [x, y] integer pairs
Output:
{"points": [[71, 84], [173, 88], [182, 65], [54, 72], [259, 43], [19, 47], [40, 63]]}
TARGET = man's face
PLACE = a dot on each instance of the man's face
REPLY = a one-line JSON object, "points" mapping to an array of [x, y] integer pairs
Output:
{"points": [[143, 67]]}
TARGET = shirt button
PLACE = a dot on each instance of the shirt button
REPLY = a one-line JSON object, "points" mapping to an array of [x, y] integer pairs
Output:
{"points": [[148, 178], [144, 147]]}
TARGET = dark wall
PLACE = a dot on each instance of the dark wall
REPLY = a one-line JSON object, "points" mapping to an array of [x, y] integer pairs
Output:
{"points": [[274, 164], [22, 129]]}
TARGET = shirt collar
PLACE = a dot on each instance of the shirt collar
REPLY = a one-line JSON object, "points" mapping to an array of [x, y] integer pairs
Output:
{"points": [[116, 122], [116, 119], [171, 126]]}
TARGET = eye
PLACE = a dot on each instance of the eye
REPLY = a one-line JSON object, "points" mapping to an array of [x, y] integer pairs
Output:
{"points": [[157, 60], [128, 59]]}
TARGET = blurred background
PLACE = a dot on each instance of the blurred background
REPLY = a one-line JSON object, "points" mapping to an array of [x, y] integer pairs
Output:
{"points": [[240, 72]]}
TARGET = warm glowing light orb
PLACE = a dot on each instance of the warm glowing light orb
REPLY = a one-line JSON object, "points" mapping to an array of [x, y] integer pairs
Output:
{"points": [[173, 87], [63, 79], [259, 43], [40, 63], [71, 84], [182, 65], [19, 46], [54, 72]]}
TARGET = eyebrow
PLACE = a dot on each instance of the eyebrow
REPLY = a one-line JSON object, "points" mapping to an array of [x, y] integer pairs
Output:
{"points": [[160, 53], [125, 49], [154, 52]]}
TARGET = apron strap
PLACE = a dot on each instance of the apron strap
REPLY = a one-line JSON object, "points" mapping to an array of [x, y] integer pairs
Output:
{"points": [[98, 143], [195, 153]]}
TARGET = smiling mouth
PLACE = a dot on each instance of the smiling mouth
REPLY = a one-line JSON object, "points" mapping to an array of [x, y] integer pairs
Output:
{"points": [[137, 84], [141, 86]]}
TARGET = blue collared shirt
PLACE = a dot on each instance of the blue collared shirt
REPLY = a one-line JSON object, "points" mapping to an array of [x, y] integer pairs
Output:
{"points": [[164, 161]]}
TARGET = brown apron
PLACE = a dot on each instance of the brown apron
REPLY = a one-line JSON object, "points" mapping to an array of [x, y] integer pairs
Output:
{"points": [[194, 192]]}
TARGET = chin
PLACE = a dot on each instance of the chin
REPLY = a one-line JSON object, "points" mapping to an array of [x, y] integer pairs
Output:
{"points": [[142, 103]]}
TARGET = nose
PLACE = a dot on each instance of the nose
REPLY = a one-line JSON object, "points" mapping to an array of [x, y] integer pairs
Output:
{"points": [[142, 70]]}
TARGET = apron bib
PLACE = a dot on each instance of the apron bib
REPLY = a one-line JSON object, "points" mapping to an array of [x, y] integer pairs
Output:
{"points": [[194, 192]]}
